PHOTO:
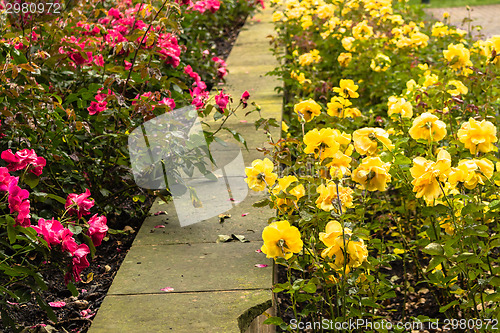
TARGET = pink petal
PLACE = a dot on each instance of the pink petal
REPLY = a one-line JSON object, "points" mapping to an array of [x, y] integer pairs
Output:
{"points": [[243, 121], [167, 289], [258, 251], [12, 303], [159, 226], [244, 214], [261, 265], [58, 304]]}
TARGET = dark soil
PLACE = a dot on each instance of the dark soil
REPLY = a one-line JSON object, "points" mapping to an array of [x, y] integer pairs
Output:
{"points": [[420, 302], [76, 316]]}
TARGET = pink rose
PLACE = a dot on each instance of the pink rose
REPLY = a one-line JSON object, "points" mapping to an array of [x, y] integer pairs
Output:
{"points": [[22, 159], [222, 100], [98, 228], [50, 230], [81, 201]]}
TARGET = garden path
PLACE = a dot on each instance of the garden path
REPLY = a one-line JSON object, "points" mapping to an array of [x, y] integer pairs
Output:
{"points": [[485, 16], [213, 283]]}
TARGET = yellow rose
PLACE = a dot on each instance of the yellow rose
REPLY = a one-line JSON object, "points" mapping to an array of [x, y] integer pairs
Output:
{"points": [[372, 174], [380, 63], [344, 59], [337, 105], [472, 172], [281, 240], [460, 88], [428, 127], [427, 174], [326, 142], [307, 109], [309, 58], [340, 165], [347, 89], [362, 30], [260, 174], [458, 58], [399, 106], [297, 191], [327, 199], [366, 140], [478, 136]]}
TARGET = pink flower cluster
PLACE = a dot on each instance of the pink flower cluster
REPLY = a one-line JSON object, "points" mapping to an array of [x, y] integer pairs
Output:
{"points": [[221, 67], [100, 105], [18, 202], [199, 92], [155, 97], [222, 100], [75, 52], [25, 158], [203, 5], [55, 234]]}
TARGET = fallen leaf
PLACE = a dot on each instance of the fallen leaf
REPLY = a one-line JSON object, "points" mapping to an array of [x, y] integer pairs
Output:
{"points": [[223, 238], [129, 229], [261, 265], [58, 304], [241, 238], [167, 289]]}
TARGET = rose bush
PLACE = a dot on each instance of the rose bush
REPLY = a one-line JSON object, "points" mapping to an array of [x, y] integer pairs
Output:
{"points": [[74, 84], [390, 127]]}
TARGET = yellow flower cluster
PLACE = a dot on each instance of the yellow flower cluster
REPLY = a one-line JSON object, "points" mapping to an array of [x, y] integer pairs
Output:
{"points": [[327, 199], [340, 244], [309, 58]]}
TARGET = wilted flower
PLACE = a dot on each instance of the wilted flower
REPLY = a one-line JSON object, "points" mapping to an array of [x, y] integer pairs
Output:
{"points": [[428, 127], [260, 174], [281, 240], [478, 136]]}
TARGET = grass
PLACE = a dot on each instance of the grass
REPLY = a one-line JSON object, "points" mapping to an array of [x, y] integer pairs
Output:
{"points": [[455, 3]]}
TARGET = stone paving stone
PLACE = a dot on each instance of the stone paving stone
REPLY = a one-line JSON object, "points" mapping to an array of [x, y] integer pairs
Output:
{"points": [[207, 231], [173, 312], [192, 267]]}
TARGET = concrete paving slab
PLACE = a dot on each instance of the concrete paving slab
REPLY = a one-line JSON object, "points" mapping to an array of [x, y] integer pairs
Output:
{"points": [[171, 232], [216, 312], [192, 267]]}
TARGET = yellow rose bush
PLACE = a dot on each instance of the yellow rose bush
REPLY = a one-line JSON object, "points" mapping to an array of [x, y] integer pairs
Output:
{"points": [[390, 160]]}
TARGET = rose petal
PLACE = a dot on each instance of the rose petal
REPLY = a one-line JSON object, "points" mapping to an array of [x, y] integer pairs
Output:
{"points": [[243, 121], [58, 304], [244, 214], [261, 265], [159, 226], [258, 251], [167, 289]]}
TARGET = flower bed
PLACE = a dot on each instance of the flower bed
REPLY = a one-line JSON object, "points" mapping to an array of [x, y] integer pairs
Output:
{"points": [[75, 82], [387, 199]]}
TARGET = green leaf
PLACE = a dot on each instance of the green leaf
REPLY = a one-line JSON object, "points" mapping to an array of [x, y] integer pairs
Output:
{"points": [[495, 297], [90, 244], [50, 313], [12, 233], [310, 287], [18, 57], [433, 249], [31, 179], [273, 321], [57, 198], [435, 261], [449, 305], [72, 288], [261, 203], [75, 229]]}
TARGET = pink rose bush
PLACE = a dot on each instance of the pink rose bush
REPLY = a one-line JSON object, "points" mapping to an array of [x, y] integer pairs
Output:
{"points": [[55, 232]]}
